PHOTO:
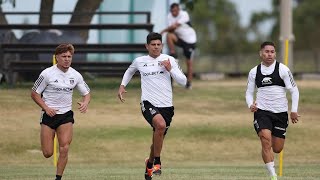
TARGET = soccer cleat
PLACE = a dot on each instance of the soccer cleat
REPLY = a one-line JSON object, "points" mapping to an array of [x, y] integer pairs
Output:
{"points": [[274, 178], [157, 169], [149, 172]]}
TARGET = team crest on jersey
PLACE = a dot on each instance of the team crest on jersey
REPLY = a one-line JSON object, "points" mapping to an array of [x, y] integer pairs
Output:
{"points": [[71, 81], [266, 80]]}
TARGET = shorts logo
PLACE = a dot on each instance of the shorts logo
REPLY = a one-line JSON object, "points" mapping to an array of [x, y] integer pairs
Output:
{"points": [[152, 111], [142, 107], [255, 123], [279, 128]]}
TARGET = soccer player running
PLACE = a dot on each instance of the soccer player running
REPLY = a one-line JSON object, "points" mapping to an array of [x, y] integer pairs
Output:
{"points": [[156, 70], [270, 108], [181, 33], [52, 91]]}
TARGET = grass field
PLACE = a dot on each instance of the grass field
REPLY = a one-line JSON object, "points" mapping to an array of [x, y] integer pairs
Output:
{"points": [[211, 136]]}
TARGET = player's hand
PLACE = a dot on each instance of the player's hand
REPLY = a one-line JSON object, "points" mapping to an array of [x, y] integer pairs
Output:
{"points": [[83, 107], [253, 107], [166, 64], [121, 91], [294, 117], [50, 112]]}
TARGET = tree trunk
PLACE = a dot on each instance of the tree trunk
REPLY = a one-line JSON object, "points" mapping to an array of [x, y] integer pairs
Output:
{"points": [[46, 8], [3, 19], [84, 6]]}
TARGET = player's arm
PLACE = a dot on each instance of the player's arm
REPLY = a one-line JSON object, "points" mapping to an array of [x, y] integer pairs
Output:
{"points": [[170, 28], [250, 91], [175, 71], [126, 79], [84, 90], [292, 87], [37, 89]]}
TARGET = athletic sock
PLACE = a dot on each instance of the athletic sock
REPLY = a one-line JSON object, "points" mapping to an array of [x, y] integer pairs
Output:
{"points": [[157, 160], [271, 169], [58, 177], [149, 164]]}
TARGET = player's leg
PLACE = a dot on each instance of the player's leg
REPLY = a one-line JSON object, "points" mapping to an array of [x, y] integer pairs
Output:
{"points": [[47, 138], [64, 133], [267, 154], [171, 40], [159, 125]]}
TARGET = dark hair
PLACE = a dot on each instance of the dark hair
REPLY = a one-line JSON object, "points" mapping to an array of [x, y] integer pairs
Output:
{"points": [[63, 48], [173, 5], [153, 36], [267, 43]]}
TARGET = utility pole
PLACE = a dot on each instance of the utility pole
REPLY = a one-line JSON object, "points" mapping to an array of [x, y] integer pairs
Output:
{"points": [[286, 35]]}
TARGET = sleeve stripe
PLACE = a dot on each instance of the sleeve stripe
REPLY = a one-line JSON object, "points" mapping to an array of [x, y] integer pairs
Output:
{"points": [[291, 79], [38, 82], [87, 87]]}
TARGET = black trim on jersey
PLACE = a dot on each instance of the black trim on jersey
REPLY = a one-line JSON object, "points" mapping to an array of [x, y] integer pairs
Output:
{"points": [[38, 82], [273, 79], [291, 79]]}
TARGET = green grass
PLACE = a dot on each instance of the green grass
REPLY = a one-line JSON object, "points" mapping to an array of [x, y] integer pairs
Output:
{"points": [[78, 172], [211, 136]]}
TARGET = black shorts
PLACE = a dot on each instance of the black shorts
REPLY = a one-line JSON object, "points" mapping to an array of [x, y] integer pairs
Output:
{"points": [[277, 123], [149, 111], [188, 49], [57, 120]]}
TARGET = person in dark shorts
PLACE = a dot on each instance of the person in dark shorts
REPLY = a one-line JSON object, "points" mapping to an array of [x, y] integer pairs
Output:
{"points": [[156, 71], [271, 79], [53, 91], [181, 33]]}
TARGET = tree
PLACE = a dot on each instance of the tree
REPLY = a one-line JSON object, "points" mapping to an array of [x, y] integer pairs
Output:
{"points": [[217, 26], [46, 8], [84, 6]]}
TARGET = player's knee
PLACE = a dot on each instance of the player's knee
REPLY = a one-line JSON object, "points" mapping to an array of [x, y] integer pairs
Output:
{"points": [[277, 149], [63, 150], [161, 128], [47, 154]]}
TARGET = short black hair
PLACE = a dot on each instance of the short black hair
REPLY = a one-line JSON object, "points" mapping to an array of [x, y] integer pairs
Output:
{"points": [[267, 43], [153, 36], [173, 5]]}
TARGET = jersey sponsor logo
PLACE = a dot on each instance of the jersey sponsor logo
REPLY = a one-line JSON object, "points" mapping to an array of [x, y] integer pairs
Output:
{"points": [[152, 73], [56, 81], [266, 80], [63, 89]]}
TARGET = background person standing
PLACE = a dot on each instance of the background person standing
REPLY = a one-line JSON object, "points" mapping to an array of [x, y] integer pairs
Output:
{"points": [[180, 33]]}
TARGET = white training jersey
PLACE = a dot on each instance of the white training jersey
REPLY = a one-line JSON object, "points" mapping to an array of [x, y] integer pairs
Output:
{"points": [[273, 98], [185, 32], [156, 84], [57, 87]]}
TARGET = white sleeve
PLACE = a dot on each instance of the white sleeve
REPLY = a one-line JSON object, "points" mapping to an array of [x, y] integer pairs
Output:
{"points": [[184, 18], [129, 73], [176, 73], [41, 83], [251, 85], [291, 85], [82, 86]]}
